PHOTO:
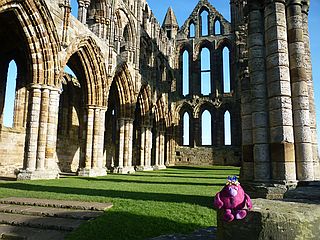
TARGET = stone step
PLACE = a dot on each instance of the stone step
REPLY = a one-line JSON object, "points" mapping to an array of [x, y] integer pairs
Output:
{"points": [[57, 203], [10, 232], [50, 211], [52, 223]]}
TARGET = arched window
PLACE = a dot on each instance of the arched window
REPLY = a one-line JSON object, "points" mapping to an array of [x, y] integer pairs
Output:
{"points": [[69, 71], [186, 124], [217, 27], [205, 72], [74, 8], [226, 70], [227, 128], [206, 138], [8, 111], [192, 30], [204, 23], [185, 73]]}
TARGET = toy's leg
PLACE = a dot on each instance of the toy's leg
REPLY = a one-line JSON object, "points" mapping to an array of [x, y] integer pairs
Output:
{"points": [[228, 217], [241, 214]]}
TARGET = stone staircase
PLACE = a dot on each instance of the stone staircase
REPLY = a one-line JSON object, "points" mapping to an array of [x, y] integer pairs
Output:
{"points": [[39, 219]]}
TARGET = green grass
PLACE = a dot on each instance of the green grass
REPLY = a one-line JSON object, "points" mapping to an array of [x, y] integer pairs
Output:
{"points": [[145, 204]]}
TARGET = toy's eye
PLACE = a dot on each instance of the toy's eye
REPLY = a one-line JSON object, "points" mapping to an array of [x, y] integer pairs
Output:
{"points": [[236, 188], [229, 188]]}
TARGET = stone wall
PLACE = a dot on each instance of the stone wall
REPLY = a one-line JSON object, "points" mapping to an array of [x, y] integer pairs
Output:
{"points": [[208, 156], [11, 150]]}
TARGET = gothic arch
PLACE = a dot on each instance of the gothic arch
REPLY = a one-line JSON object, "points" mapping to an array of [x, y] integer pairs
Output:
{"points": [[94, 69], [42, 38], [161, 113], [144, 99], [125, 87]]}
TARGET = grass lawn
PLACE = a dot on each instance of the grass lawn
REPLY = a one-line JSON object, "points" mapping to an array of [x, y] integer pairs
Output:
{"points": [[145, 204]]}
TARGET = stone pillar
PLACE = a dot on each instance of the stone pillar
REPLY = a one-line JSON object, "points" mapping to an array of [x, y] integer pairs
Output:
{"points": [[143, 148], [50, 162], [89, 138], [33, 128], [41, 134], [279, 93], [157, 146], [100, 163], [247, 172], [312, 108], [259, 114], [129, 142], [82, 10], [96, 138], [148, 147], [162, 150], [43, 128], [300, 98], [121, 127]]}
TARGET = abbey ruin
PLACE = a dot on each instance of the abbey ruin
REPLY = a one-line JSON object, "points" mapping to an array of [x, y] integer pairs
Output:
{"points": [[137, 83]]}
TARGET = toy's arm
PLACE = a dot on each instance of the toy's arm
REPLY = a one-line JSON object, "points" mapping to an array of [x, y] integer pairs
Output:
{"points": [[248, 201], [217, 203]]}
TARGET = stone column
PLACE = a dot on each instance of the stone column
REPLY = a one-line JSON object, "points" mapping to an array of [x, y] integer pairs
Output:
{"points": [[259, 114], [157, 150], [33, 127], [148, 147], [43, 129], [247, 172], [82, 10], [279, 93], [300, 98], [129, 142], [312, 108], [100, 163], [162, 150], [50, 162], [143, 148], [121, 127], [96, 138], [89, 138]]}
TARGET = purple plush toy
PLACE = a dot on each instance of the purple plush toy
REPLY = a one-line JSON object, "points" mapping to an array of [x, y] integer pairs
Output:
{"points": [[233, 199]]}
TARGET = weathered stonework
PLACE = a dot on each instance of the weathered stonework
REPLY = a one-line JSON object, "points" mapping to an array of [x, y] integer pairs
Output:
{"points": [[123, 110]]}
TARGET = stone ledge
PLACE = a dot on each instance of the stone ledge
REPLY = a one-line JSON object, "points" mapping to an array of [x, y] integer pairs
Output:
{"points": [[56, 203], [274, 219]]}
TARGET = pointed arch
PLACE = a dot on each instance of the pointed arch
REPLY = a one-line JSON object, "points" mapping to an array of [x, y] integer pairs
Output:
{"points": [[226, 70], [192, 30], [145, 102], [204, 21], [10, 92], [85, 50], [125, 87], [43, 40], [206, 125], [227, 128], [161, 113]]}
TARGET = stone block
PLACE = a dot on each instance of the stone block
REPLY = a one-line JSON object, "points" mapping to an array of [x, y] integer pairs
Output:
{"points": [[274, 220]]}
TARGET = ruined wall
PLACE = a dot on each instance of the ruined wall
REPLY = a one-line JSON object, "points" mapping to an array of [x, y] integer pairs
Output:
{"points": [[208, 156], [11, 150]]}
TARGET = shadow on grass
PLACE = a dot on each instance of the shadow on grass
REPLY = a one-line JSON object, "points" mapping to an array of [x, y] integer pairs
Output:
{"points": [[119, 225], [205, 201], [172, 175], [195, 168], [150, 182]]}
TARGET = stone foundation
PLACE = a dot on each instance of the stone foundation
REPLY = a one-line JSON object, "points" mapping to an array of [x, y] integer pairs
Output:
{"points": [[274, 220], [37, 174], [93, 172]]}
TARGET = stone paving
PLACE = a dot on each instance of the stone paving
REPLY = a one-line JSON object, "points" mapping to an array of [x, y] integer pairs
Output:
{"points": [[201, 234], [35, 219]]}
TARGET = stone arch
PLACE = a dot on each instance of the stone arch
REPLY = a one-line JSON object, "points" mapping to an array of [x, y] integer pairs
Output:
{"points": [[94, 70], [42, 40], [145, 102], [161, 113], [125, 87]]}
